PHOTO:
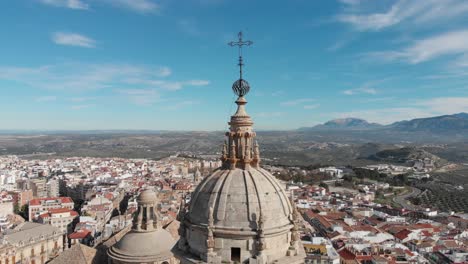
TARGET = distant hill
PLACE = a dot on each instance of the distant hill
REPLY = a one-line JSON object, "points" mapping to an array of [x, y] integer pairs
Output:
{"points": [[446, 124], [455, 123], [404, 155], [345, 124]]}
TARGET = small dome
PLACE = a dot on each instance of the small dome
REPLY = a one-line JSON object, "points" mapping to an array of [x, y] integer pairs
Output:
{"points": [[145, 242], [143, 247], [147, 196], [241, 87]]}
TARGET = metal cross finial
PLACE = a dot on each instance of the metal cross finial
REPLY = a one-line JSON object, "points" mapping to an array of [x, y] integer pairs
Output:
{"points": [[240, 43]]}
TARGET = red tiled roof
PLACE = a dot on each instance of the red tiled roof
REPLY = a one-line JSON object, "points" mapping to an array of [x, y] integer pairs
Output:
{"points": [[346, 254], [37, 201], [44, 215], [80, 234], [439, 248], [310, 214], [421, 226], [109, 196], [365, 228], [59, 210], [392, 228], [402, 234], [335, 215], [426, 233], [364, 257], [345, 226], [172, 214], [450, 244]]}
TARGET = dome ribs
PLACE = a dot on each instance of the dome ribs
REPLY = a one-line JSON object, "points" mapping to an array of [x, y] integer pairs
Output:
{"points": [[218, 186], [287, 209], [221, 199], [197, 192], [246, 186], [259, 197]]}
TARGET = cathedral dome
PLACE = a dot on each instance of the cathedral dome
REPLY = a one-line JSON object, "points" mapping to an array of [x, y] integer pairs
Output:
{"points": [[240, 213], [237, 198]]}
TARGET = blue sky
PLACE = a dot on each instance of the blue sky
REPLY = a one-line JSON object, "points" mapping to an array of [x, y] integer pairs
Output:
{"points": [[164, 64]]}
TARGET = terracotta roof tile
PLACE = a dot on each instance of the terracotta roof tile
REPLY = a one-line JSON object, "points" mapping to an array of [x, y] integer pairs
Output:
{"points": [[403, 234], [346, 254]]}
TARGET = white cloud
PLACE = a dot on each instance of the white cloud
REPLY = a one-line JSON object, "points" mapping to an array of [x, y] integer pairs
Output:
{"points": [[164, 72], [79, 107], [415, 12], [297, 102], [312, 106], [462, 61], [81, 99], [417, 109], [48, 98], [141, 6], [385, 116], [375, 21], [361, 90], [144, 97], [449, 43], [269, 114], [197, 82], [73, 39], [445, 105], [351, 2], [72, 4], [179, 105], [144, 92], [167, 85], [277, 93], [83, 77]]}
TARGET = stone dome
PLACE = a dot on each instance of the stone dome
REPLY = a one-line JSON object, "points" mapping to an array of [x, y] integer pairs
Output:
{"points": [[238, 197], [147, 196], [240, 213], [143, 247], [146, 242]]}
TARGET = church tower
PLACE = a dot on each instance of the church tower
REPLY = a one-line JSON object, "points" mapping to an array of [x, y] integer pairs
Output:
{"points": [[240, 213], [197, 177]]}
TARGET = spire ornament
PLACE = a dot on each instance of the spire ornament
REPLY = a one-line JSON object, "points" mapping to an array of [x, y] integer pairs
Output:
{"points": [[240, 87], [240, 151], [240, 43]]}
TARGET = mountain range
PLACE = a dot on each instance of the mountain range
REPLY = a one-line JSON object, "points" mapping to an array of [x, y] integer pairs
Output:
{"points": [[455, 123]]}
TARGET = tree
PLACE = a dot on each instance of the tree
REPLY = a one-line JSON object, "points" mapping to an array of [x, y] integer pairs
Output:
{"points": [[24, 212], [124, 203], [16, 208], [348, 178], [324, 185], [78, 205], [115, 212]]}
